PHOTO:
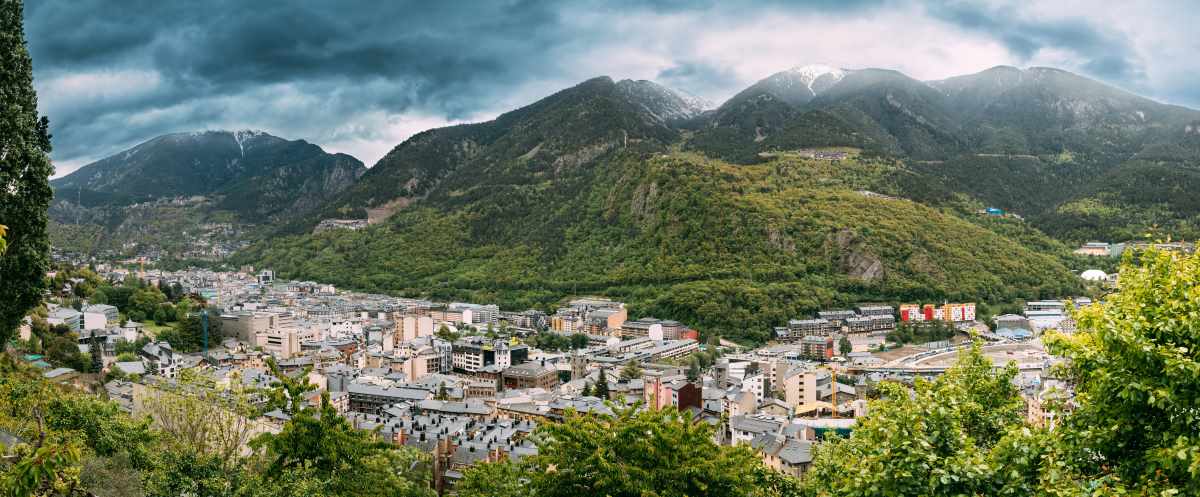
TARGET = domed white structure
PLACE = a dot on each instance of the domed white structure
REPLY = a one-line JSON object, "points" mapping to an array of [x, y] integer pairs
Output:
{"points": [[1094, 275]]}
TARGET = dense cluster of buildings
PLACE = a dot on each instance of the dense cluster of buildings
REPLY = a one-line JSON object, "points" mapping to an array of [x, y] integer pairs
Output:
{"points": [[465, 381]]}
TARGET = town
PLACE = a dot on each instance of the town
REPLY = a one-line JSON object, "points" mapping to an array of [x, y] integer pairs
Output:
{"points": [[467, 382]]}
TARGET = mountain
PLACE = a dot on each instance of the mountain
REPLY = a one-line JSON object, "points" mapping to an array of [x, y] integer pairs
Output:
{"points": [[1042, 142], [535, 144], [587, 192], [224, 177], [796, 86], [665, 104]]}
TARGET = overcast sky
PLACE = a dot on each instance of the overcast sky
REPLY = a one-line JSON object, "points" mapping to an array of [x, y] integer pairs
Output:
{"points": [[361, 78]]}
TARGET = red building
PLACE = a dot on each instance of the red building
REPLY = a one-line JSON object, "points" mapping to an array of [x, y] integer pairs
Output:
{"points": [[672, 391]]}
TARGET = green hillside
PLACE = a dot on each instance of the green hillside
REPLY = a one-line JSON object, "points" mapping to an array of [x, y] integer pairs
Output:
{"points": [[730, 249]]}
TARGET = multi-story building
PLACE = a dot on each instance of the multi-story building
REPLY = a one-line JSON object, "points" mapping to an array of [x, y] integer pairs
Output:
{"points": [[530, 375], [97, 316], [370, 398], [676, 391], [875, 310], [837, 317], [657, 329], [800, 328], [528, 320], [931, 312], [476, 313], [817, 347], [580, 315], [474, 353], [283, 343], [67, 316], [160, 358]]}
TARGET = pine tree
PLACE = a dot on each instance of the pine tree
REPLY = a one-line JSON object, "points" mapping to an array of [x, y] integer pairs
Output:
{"points": [[587, 390], [24, 176], [693, 372], [96, 348], [600, 389], [631, 371], [844, 346]]}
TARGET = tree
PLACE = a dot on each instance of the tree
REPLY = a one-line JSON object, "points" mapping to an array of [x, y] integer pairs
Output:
{"points": [[630, 453], [319, 445], [444, 333], [1137, 377], [693, 372], [631, 371], [587, 390], [500, 479], [96, 349], [442, 394], [844, 346], [24, 177], [931, 441], [145, 301], [600, 389], [194, 417], [579, 341]]}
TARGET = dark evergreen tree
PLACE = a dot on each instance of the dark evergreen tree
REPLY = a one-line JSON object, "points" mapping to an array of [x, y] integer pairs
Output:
{"points": [[693, 372], [96, 349], [24, 177], [600, 389]]}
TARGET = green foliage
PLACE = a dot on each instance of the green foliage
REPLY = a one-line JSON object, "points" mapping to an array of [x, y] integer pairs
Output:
{"points": [[320, 444], [844, 346], [694, 372], [549, 340], [187, 335], [24, 177], [922, 332], [74, 444], [729, 250], [646, 453], [600, 389], [931, 441], [1137, 376], [631, 371]]}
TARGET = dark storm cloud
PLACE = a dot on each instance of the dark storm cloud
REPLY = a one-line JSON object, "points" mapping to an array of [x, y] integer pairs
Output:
{"points": [[698, 76], [1106, 55], [111, 74], [444, 58]]}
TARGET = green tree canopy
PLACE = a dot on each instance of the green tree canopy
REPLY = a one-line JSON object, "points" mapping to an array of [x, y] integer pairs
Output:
{"points": [[930, 441], [633, 453], [1135, 363], [631, 371]]}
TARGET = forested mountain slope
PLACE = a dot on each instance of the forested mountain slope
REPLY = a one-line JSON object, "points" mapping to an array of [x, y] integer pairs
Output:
{"points": [[1045, 143], [586, 192]]}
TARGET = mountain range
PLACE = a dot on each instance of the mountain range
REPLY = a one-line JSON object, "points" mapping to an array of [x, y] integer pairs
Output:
{"points": [[814, 187], [171, 184]]}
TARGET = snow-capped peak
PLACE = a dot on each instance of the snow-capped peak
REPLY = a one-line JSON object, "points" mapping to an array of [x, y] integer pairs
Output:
{"points": [[809, 74]]}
